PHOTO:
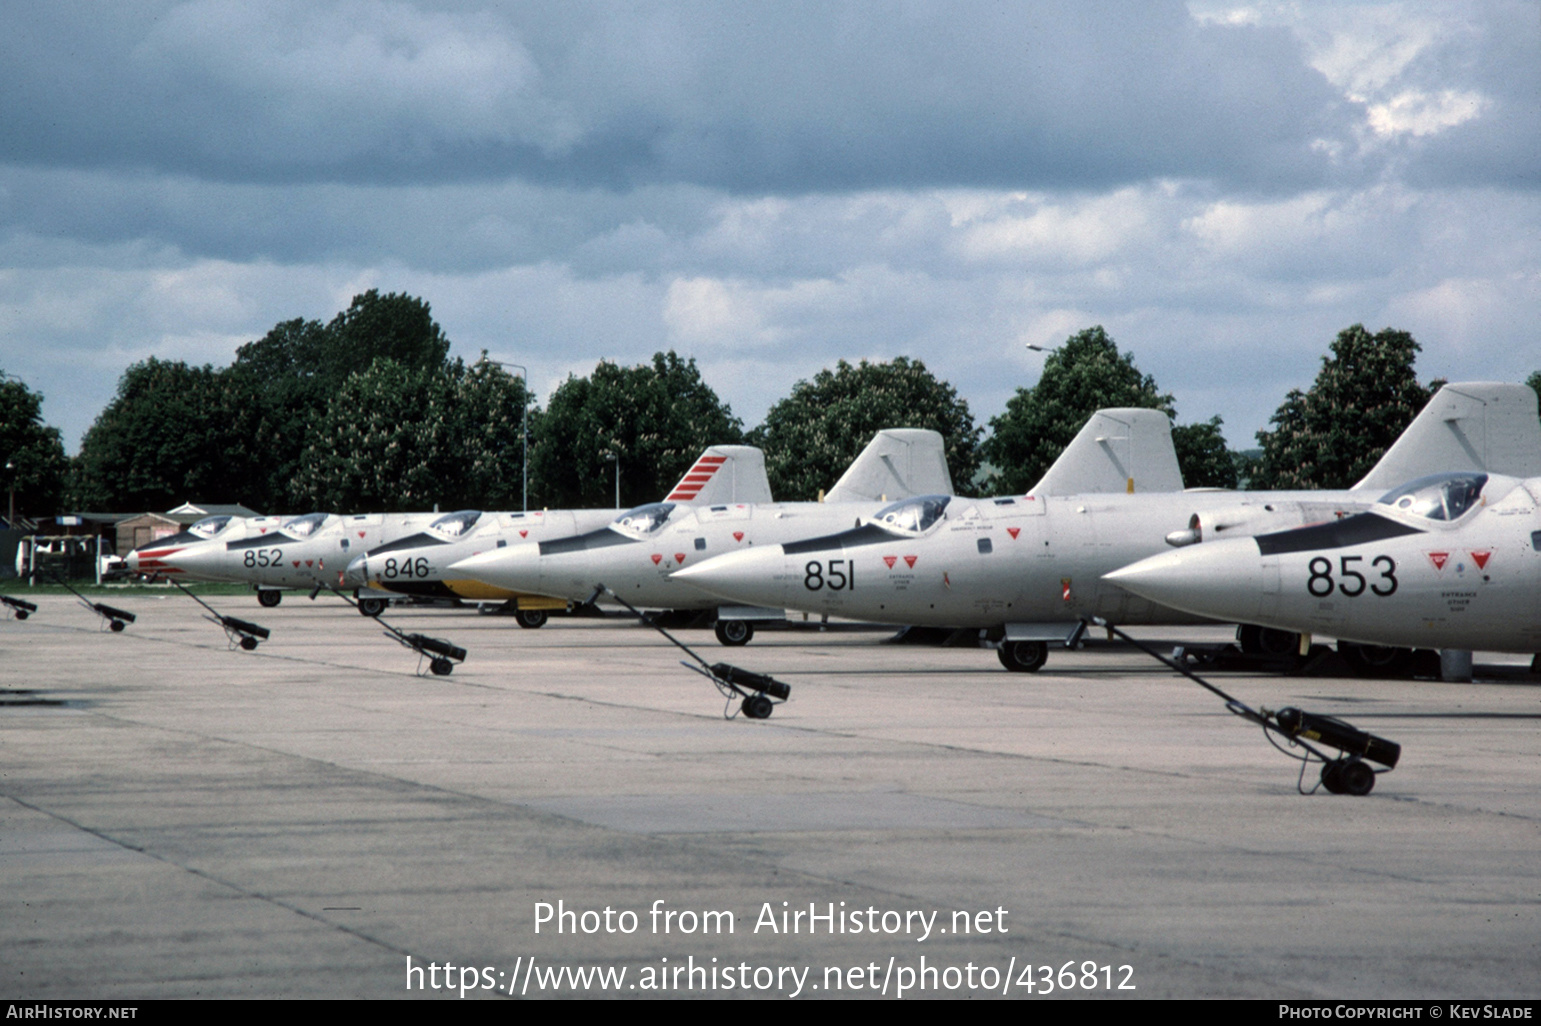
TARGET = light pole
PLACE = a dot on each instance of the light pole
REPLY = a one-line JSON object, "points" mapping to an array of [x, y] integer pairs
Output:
{"points": [[524, 460], [616, 459]]}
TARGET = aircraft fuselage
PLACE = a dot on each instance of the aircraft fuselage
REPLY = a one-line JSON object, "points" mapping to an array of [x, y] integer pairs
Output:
{"points": [[638, 566], [1006, 560], [1385, 578]]}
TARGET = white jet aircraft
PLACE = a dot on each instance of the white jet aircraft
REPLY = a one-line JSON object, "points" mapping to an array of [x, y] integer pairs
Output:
{"points": [[419, 563], [637, 556], [158, 556], [316, 549], [309, 551], [1451, 561], [1027, 570]]}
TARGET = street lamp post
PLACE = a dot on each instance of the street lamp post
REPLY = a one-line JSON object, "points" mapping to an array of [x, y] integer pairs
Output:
{"points": [[524, 430], [616, 459]]}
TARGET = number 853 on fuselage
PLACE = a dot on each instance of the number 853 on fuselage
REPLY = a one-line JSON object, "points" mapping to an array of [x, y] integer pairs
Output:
{"points": [[1450, 561]]}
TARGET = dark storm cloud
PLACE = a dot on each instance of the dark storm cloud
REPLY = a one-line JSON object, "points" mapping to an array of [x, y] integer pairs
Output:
{"points": [[776, 97], [458, 226], [771, 187]]}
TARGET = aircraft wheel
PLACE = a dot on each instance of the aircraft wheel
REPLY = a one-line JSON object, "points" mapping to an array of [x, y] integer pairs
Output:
{"points": [[531, 618], [116, 625], [1332, 776], [22, 614], [757, 707], [250, 644], [268, 597], [1024, 656], [1267, 641], [441, 667], [1356, 777], [1376, 660], [734, 633], [371, 606]]}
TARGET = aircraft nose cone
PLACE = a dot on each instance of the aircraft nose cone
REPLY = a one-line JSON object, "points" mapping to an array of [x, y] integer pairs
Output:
{"points": [[153, 559], [1223, 580], [516, 568], [752, 576], [200, 560], [357, 574]]}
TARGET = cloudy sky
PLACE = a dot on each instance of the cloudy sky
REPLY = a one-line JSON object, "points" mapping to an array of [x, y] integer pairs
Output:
{"points": [[770, 187]]}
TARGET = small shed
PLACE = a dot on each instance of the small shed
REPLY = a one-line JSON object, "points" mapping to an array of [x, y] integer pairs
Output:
{"points": [[147, 527], [144, 529]]}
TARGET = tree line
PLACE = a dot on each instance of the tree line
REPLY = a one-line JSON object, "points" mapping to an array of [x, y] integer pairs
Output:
{"points": [[368, 411]]}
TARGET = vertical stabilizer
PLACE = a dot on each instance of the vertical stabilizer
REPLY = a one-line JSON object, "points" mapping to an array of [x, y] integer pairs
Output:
{"points": [[1468, 425], [724, 473], [896, 464], [1119, 450]]}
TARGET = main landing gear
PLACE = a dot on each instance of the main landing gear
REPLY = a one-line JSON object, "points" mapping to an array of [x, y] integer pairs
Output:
{"points": [[1376, 660], [1267, 641], [1024, 656], [531, 618], [734, 633]]}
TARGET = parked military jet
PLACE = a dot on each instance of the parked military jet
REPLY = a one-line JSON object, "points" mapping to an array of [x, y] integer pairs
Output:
{"points": [[158, 557], [1028, 569], [637, 556], [308, 551], [315, 550], [1451, 561], [418, 563]]}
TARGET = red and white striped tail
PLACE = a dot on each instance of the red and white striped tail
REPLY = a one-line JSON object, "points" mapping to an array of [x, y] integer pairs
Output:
{"points": [[696, 478], [724, 473]]}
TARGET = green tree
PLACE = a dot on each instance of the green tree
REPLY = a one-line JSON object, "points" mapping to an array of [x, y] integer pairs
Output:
{"points": [[1085, 374], [1363, 398], [238, 435], [291, 354], [168, 436], [301, 353], [289, 377], [394, 326], [396, 437], [814, 434], [1203, 457], [31, 453], [655, 418]]}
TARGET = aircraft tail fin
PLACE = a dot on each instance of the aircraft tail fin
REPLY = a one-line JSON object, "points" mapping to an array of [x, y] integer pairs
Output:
{"points": [[896, 464], [1468, 425], [1119, 450], [724, 473]]}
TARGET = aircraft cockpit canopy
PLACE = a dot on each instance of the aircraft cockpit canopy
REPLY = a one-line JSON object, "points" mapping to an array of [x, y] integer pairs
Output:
{"points": [[643, 520], [208, 527], [305, 526], [1439, 496], [455, 525], [912, 516]]}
